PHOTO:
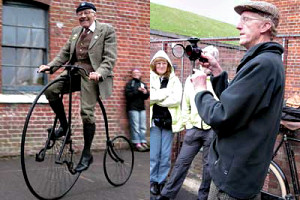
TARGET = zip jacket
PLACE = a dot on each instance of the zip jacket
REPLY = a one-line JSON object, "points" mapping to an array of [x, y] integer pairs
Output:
{"points": [[246, 120], [169, 97], [135, 99]]}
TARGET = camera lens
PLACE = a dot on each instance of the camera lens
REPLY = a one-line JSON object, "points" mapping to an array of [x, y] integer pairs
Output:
{"points": [[189, 50], [193, 53]]}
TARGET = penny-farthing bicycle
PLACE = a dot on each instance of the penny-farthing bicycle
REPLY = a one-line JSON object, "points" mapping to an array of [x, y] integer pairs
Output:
{"points": [[48, 164]]}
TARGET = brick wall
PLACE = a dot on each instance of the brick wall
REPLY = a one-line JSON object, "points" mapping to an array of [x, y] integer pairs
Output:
{"points": [[131, 20], [289, 25]]}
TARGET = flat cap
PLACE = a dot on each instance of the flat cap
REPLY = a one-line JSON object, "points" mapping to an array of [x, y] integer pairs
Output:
{"points": [[259, 7], [84, 6]]}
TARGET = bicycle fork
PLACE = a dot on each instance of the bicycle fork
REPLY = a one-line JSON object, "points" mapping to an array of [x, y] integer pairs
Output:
{"points": [[112, 153], [39, 157], [67, 138]]}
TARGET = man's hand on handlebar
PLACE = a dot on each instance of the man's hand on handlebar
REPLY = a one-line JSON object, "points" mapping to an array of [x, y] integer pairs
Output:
{"points": [[94, 76], [44, 68]]}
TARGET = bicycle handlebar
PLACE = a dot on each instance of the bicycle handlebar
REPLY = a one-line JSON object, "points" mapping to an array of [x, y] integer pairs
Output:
{"points": [[69, 68], [72, 67]]}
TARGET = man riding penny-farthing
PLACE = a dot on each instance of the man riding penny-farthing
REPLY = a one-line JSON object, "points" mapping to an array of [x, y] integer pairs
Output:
{"points": [[90, 55]]}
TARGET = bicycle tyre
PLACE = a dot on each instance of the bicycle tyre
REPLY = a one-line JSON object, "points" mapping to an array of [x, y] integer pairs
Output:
{"points": [[275, 186], [45, 179], [118, 172]]}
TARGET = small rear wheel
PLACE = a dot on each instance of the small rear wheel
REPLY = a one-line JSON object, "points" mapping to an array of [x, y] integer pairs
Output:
{"points": [[118, 161]]}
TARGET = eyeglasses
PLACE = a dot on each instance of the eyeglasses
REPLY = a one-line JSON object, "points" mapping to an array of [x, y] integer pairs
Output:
{"points": [[84, 12], [245, 19]]}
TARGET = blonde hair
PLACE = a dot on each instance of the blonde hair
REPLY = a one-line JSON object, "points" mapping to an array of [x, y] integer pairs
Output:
{"points": [[169, 68]]}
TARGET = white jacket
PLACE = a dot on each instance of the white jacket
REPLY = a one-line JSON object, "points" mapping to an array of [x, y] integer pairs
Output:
{"points": [[166, 97], [190, 115]]}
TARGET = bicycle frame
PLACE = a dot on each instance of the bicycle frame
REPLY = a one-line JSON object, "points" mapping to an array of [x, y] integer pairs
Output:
{"points": [[69, 131], [40, 156], [111, 150], [112, 153], [109, 146], [61, 158], [292, 164], [291, 161]]}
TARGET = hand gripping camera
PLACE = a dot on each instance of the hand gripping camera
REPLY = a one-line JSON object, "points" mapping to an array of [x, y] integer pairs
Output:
{"points": [[192, 51]]}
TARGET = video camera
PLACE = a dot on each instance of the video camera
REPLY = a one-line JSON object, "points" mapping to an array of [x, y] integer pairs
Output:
{"points": [[192, 51]]}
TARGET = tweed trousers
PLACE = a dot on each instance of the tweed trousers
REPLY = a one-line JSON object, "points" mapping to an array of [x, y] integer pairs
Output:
{"points": [[88, 95], [216, 194]]}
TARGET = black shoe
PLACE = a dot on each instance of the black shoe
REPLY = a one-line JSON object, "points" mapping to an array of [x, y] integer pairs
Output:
{"points": [[162, 198], [161, 187], [58, 133], [84, 163], [154, 188]]}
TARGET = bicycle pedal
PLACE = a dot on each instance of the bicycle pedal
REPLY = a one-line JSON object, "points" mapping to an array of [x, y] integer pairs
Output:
{"points": [[39, 157]]}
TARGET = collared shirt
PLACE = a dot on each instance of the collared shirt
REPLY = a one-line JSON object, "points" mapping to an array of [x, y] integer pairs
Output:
{"points": [[92, 27]]}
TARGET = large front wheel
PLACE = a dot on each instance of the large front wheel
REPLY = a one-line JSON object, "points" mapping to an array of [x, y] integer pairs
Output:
{"points": [[118, 161], [48, 164]]}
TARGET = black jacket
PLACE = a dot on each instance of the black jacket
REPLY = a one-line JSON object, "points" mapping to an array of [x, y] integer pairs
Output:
{"points": [[135, 98], [246, 120]]}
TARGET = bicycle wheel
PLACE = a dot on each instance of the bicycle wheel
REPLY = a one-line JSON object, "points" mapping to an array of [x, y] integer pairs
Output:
{"points": [[47, 175], [274, 185], [118, 161]]}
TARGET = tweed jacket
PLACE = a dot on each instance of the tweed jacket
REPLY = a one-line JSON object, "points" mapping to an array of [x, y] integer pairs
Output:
{"points": [[102, 53]]}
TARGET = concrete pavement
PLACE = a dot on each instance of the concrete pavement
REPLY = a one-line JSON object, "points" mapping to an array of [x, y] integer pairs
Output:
{"points": [[92, 184]]}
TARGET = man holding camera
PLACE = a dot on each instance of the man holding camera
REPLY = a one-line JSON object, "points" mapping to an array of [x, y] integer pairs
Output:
{"points": [[247, 116]]}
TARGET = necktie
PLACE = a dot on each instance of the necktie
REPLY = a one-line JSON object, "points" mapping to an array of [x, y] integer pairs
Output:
{"points": [[84, 34]]}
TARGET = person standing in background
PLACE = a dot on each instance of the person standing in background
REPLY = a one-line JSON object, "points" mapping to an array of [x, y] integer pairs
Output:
{"points": [[198, 135], [136, 93], [165, 116]]}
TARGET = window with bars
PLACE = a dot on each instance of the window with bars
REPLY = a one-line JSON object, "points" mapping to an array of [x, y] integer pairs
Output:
{"points": [[24, 46]]}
